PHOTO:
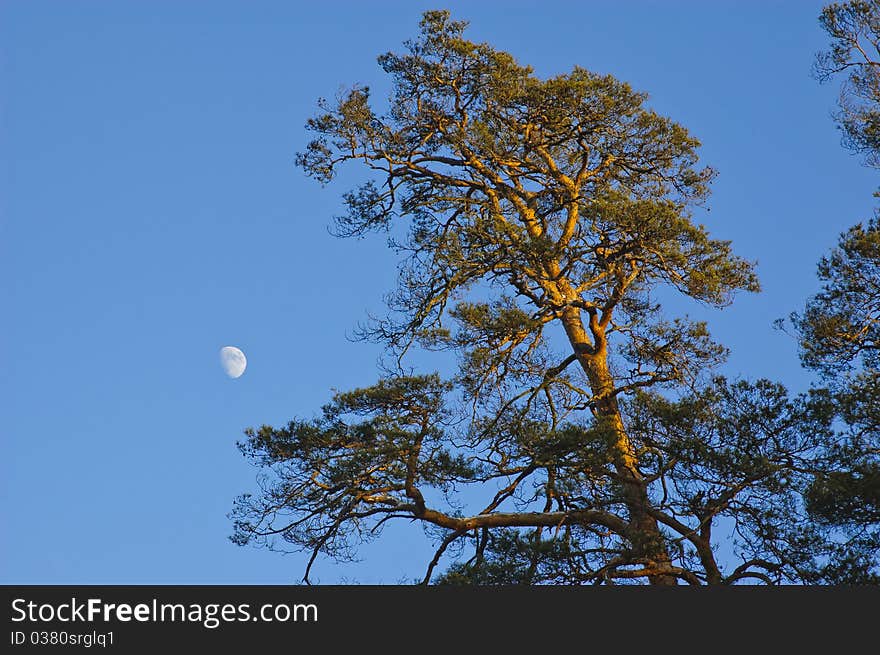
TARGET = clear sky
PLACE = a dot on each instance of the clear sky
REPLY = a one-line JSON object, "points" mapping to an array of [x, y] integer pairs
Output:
{"points": [[150, 213]]}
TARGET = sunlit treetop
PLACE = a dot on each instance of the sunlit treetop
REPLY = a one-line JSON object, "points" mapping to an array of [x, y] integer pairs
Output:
{"points": [[562, 190]]}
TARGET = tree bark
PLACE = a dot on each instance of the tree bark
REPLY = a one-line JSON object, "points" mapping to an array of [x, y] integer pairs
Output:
{"points": [[643, 530]]}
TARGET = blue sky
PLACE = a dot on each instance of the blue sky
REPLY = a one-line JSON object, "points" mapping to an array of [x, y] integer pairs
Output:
{"points": [[150, 213]]}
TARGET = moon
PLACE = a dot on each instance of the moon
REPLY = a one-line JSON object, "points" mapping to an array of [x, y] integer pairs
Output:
{"points": [[233, 361]]}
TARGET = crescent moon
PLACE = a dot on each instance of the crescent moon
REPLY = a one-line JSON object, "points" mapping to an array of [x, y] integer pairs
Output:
{"points": [[233, 361]]}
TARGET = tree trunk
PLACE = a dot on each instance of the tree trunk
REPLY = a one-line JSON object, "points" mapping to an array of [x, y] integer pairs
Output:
{"points": [[644, 532]]}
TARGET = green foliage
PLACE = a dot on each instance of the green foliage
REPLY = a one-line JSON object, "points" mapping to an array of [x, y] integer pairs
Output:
{"points": [[846, 491], [840, 327], [508, 557], [854, 28], [332, 474], [849, 495], [839, 333]]}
